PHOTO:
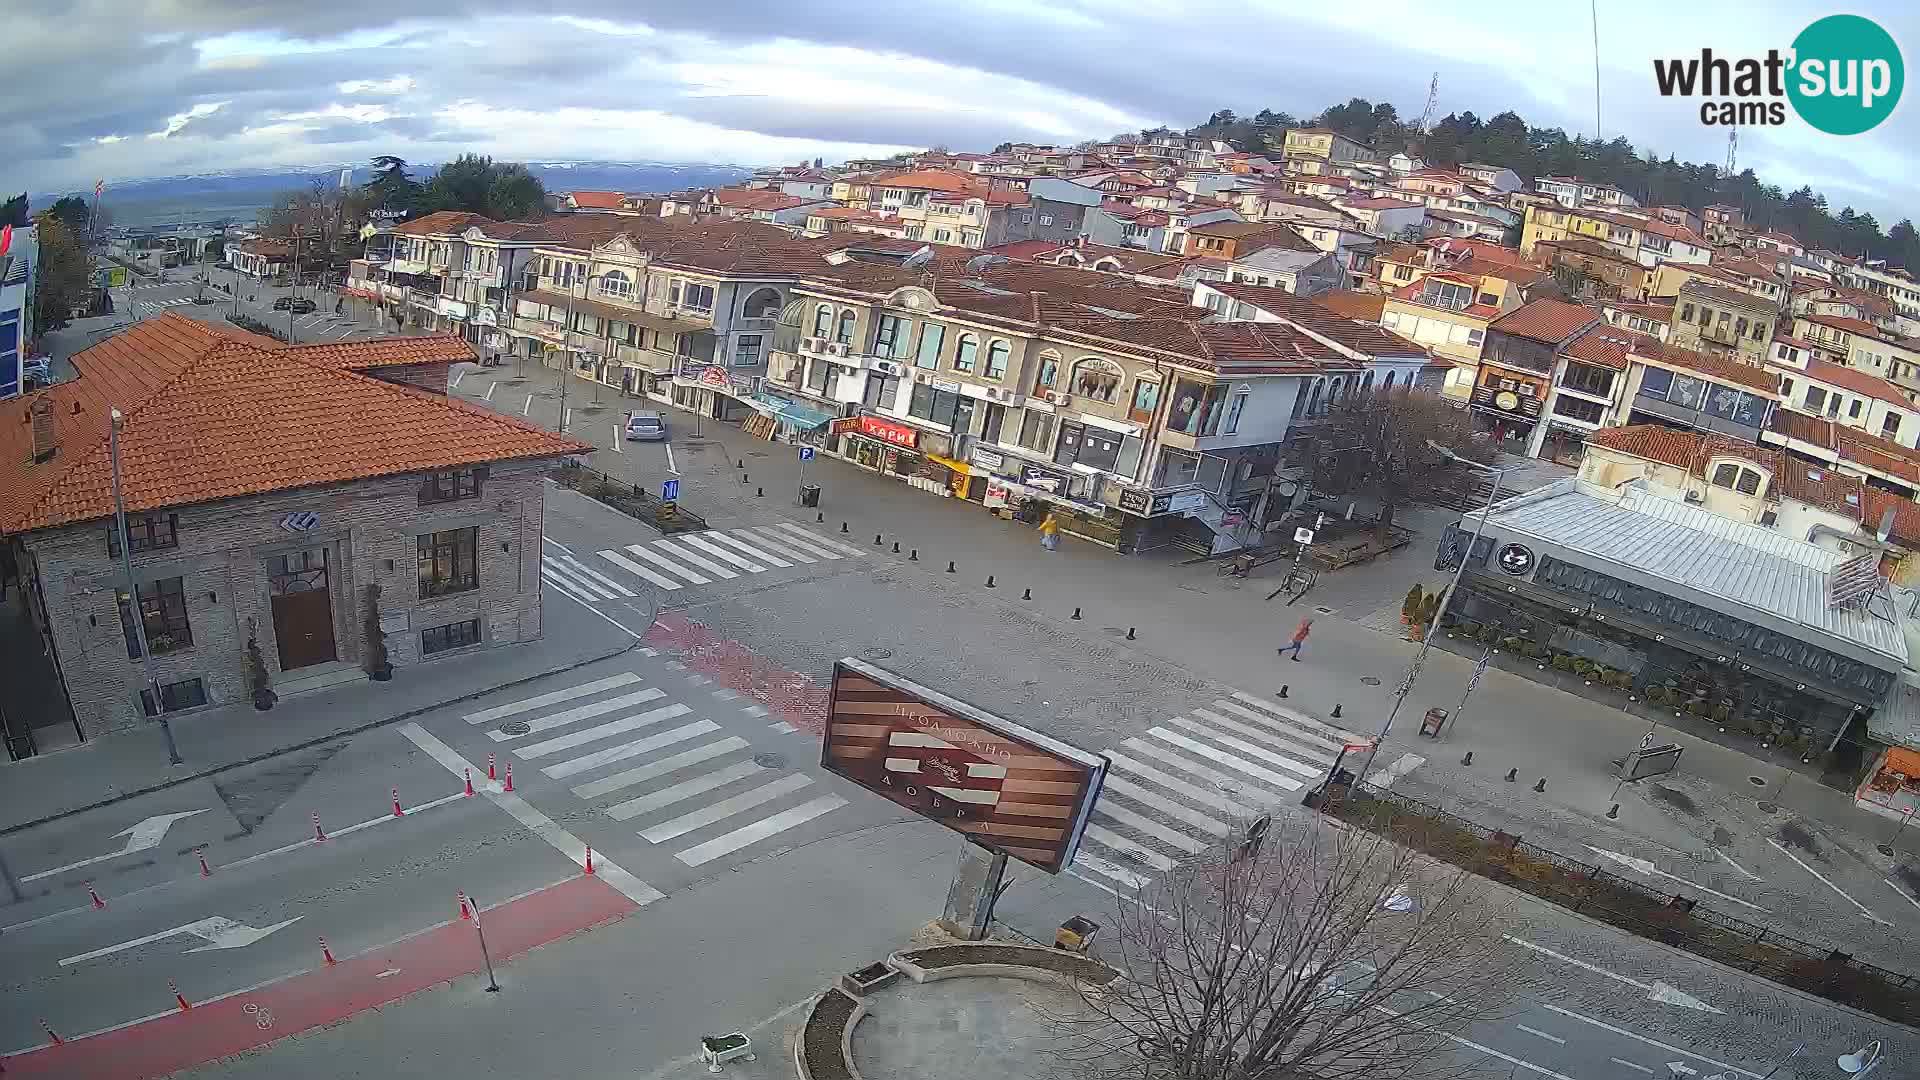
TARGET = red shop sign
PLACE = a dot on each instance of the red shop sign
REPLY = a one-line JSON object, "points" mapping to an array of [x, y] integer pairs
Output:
{"points": [[897, 434]]}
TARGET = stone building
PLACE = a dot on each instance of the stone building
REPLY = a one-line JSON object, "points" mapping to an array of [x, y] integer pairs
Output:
{"points": [[268, 489]]}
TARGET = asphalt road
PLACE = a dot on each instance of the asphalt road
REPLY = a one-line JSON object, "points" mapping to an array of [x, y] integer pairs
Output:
{"points": [[178, 290]]}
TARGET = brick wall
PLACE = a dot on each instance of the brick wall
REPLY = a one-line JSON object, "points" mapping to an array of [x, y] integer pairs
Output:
{"points": [[370, 532], [425, 376]]}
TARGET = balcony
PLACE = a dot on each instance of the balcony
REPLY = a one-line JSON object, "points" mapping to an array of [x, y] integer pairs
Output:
{"points": [[425, 298], [650, 359]]}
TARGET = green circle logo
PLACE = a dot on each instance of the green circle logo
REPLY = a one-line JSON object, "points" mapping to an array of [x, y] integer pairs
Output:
{"points": [[1847, 75]]}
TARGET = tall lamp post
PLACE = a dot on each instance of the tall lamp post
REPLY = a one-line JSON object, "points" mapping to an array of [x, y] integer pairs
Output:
{"points": [[566, 341], [135, 615], [1426, 640]]}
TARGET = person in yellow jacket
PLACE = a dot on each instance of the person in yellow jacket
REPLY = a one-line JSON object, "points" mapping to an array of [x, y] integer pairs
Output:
{"points": [[1050, 533]]}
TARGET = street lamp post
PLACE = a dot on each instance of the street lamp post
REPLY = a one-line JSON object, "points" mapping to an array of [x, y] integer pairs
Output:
{"points": [[566, 342], [1426, 640], [134, 613]]}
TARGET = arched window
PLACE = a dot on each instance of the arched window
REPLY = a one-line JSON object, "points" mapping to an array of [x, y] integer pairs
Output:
{"points": [[997, 354], [1096, 378], [1366, 384], [615, 283], [1313, 400], [762, 304], [1388, 385], [844, 334], [1048, 372], [966, 352], [823, 320]]}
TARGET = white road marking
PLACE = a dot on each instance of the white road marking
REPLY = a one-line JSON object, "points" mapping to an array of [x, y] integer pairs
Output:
{"points": [[1402, 765], [1118, 873], [567, 420], [458, 375], [1656, 990], [719, 552], [567, 569], [582, 712], [605, 582], [1214, 718], [786, 548], [540, 824], [1296, 716], [1864, 910], [1669, 1048], [685, 789], [141, 836], [759, 830], [1235, 784], [679, 552], [528, 406], [816, 540], [604, 731], [781, 727], [491, 387], [556, 697], [665, 765], [1750, 875], [1541, 1034], [218, 931], [719, 537], [726, 808], [668, 565], [639, 571], [633, 749], [1645, 866], [1119, 785], [796, 543], [1139, 822], [1107, 838], [586, 594], [1173, 783], [557, 544], [1285, 783], [1902, 892], [1631, 1065], [670, 465]]}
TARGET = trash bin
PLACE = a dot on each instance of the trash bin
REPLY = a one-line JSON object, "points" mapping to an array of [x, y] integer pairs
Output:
{"points": [[1076, 934], [810, 495]]}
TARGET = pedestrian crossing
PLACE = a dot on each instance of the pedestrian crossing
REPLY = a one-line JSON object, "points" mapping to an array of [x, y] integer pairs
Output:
{"points": [[681, 780], [687, 560], [1195, 781], [146, 309]]}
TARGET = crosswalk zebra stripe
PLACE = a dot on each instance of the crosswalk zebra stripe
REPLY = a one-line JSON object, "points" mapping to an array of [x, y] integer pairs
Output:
{"points": [[662, 767], [1119, 785], [1111, 870], [548, 565], [685, 789], [541, 701], [710, 567], [582, 712], [1340, 735], [759, 830], [1113, 841], [1173, 783], [725, 808], [1138, 822], [790, 550], [1293, 744], [604, 731], [571, 590], [719, 552], [1284, 783], [719, 537], [638, 571], [633, 749], [1247, 748], [603, 580], [773, 535], [668, 565], [817, 539], [1311, 743]]}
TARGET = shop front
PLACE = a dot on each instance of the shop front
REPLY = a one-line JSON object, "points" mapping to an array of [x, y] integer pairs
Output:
{"points": [[1508, 403], [712, 391], [883, 445]]}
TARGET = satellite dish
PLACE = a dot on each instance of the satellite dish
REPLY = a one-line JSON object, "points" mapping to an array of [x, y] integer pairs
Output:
{"points": [[985, 262], [919, 258]]}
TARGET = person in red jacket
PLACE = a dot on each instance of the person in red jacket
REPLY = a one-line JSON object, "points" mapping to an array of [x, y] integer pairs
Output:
{"points": [[1299, 638]]}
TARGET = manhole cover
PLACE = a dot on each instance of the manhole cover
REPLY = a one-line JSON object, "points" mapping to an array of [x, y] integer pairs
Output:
{"points": [[1369, 680], [517, 727], [1324, 609], [1757, 781], [871, 655], [770, 761]]}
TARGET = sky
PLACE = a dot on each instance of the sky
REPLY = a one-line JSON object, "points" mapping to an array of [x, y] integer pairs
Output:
{"points": [[110, 89]]}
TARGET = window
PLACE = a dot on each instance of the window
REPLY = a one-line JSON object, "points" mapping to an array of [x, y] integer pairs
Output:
{"points": [[1049, 371], [615, 283], [1816, 399], [1726, 475], [1890, 425], [174, 696], [1026, 219], [890, 336], [932, 336], [1233, 412], [882, 391], [844, 332], [964, 353], [1786, 389], [448, 562], [1588, 412], [1146, 396], [1789, 355], [746, 350], [1740, 327], [1036, 432], [997, 360], [444, 487], [1656, 381], [146, 532], [1096, 378], [1749, 482], [822, 321], [1853, 410], [163, 617], [934, 406], [1046, 219], [1759, 330], [943, 236], [817, 374], [439, 639]]}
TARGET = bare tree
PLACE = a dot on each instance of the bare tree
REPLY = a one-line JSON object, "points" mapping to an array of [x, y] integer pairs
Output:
{"points": [[1317, 952], [1378, 446]]}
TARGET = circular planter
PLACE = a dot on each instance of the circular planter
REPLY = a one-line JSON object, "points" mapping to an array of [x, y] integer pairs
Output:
{"points": [[384, 674]]}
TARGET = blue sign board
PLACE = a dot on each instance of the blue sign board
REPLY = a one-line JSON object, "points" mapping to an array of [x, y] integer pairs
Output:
{"points": [[806, 453], [669, 490]]}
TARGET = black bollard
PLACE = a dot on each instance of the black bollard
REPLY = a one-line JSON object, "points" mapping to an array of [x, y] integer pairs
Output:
{"points": [[741, 464], [1512, 774], [876, 539], [949, 566], [1613, 814], [1468, 759], [914, 556], [1129, 633], [820, 517], [896, 547], [759, 493], [843, 528], [1336, 710], [745, 479], [1026, 594], [1542, 785], [990, 583], [1076, 613]]}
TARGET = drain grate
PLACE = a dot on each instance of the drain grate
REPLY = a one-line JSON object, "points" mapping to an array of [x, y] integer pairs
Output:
{"points": [[770, 761], [1369, 680], [1324, 609], [1757, 781], [517, 727]]}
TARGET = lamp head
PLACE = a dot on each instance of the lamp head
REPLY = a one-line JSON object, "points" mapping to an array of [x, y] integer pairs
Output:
{"points": [[1860, 1059]]}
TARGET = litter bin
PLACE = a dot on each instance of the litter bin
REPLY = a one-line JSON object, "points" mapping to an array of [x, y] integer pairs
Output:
{"points": [[1433, 722], [810, 495], [1076, 934]]}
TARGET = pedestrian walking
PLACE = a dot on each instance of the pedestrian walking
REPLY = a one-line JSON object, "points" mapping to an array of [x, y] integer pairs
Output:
{"points": [[1299, 639], [1050, 533]]}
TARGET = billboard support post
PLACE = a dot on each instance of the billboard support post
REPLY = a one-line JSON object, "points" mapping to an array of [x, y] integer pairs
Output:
{"points": [[977, 878]]}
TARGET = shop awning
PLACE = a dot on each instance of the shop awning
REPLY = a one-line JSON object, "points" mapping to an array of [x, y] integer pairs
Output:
{"points": [[788, 412]]}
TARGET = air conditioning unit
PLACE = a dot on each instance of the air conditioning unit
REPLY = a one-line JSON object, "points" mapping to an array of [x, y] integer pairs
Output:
{"points": [[812, 344], [1695, 496], [993, 393], [1769, 518], [838, 348], [889, 367], [1055, 397]]}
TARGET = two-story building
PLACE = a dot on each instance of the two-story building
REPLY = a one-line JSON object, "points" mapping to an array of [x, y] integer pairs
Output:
{"points": [[1682, 388], [1717, 319], [1324, 144], [1517, 368], [1848, 396]]}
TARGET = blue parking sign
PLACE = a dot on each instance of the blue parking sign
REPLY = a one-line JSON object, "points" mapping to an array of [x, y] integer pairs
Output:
{"points": [[669, 491], [806, 453]]}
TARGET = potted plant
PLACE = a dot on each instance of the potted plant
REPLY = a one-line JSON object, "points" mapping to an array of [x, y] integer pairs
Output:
{"points": [[379, 668], [257, 678], [1411, 605]]}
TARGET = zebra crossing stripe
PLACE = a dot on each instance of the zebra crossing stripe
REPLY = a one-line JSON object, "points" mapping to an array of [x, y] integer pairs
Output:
{"points": [[660, 768], [541, 701], [725, 808], [817, 540], [710, 567], [719, 552], [571, 590], [685, 789], [1119, 785], [604, 731], [1120, 814], [548, 565], [1284, 783], [1111, 870], [1339, 735], [605, 582], [1247, 748], [1294, 745], [719, 537], [638, 571], [790, 550], [772, 535], [672, 567], [582, 712], [632, 749], [1113, 841], [1173, 783], [1307, 742], [759, 830]]}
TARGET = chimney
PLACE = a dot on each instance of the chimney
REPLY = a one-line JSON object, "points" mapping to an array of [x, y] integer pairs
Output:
{"points": [[40, 415]]}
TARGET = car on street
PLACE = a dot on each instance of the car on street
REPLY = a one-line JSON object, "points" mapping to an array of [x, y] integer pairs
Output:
{"points": [[300, 306], [646, 427]]}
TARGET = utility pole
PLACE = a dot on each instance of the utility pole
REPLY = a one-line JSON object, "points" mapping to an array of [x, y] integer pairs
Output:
{"points": [[134, 614]]}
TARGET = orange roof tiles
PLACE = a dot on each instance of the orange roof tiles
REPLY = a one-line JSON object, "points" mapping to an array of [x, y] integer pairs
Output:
{"points": [[441, 222], [931, 180], [1545, 320], [213, 416], [384, 352], [758, 199], [1690, 450], [1605, 346], [1353, 304], [1714, 367], [1857, 381], [596, 200]]}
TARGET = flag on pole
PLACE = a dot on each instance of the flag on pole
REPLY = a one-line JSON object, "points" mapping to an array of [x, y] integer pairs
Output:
{"points": [[6, 238], [98, 187]]}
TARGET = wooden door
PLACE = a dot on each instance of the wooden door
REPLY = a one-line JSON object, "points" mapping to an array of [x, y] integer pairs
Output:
{"points": [[302, 608]]}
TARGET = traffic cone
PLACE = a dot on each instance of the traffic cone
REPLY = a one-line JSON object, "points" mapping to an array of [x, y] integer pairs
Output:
{"points": [[97, 902], [326, 953], [509, 784], [490, 775], [178, 996], [397, 812], [469, 791], [319, 834], [205, 870], [466, 915], [589, 859]]}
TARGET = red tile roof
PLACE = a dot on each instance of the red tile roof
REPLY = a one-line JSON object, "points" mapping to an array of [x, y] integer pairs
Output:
{"points": [[1606, 346], [1689, 450], [1380, 204], [1353, 304], [1545, 320], [384, 352], [216, 415], [441, 223], [1714, 367], [1360, 336], [758, 199], [1856, 381], [597, 200], [932, 180]]}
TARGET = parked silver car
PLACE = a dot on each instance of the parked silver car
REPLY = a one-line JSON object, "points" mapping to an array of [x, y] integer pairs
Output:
{"points": [[646, 427]]}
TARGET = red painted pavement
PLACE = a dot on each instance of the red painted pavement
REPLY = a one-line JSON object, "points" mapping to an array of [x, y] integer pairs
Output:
{"points": [[790, 696], [326, 995]]}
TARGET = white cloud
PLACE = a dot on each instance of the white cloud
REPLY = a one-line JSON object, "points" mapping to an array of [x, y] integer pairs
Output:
{"points": [[180, 120], [399, 84], [365, 114]]}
